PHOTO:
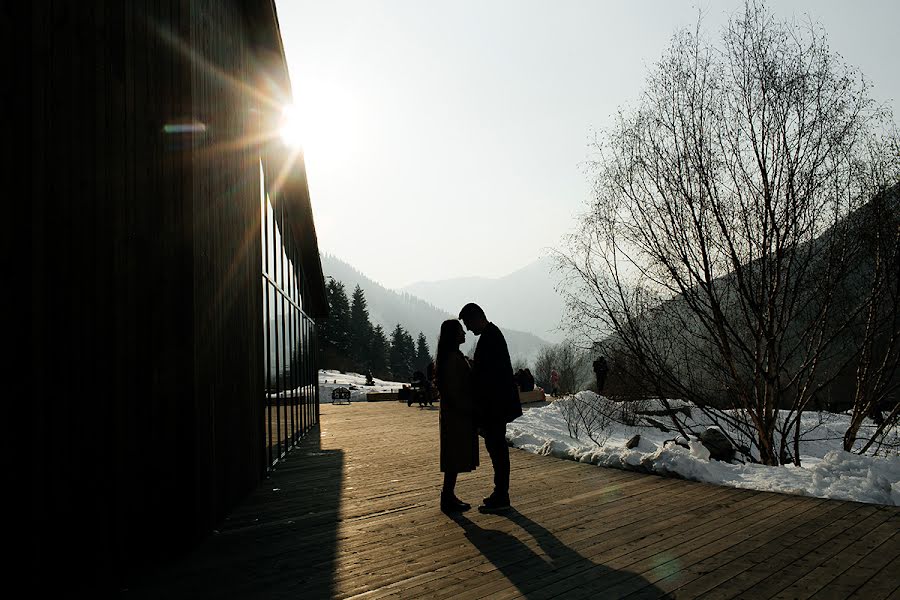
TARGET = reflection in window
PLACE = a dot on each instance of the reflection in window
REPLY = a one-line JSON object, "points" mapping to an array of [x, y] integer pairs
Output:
{"points": [[290, 378]]}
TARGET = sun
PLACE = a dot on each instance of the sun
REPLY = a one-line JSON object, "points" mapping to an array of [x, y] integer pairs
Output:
{"points": [[292, 129], [321, 122]]}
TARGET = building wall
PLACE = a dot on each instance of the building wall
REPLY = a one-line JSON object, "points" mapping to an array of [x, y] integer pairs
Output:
{"points": [[146, 387], [227, 308]]}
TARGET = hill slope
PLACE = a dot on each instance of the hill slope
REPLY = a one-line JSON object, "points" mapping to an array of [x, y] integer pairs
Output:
{"points": [[388, 307], [523, 300]]}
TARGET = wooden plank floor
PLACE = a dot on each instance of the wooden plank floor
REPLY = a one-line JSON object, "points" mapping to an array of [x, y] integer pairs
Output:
{"points": [[353, 513]]}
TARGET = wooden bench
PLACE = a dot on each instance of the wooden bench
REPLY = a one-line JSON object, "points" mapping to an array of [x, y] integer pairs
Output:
{"points": [[340, 395], [535, 395], [381, 396]]}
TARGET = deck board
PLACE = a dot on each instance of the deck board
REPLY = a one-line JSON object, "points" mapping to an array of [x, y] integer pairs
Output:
{"points": [[353, 513]]}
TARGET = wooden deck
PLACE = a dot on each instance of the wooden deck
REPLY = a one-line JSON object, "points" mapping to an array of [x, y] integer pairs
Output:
{"points": [[353, 512]]}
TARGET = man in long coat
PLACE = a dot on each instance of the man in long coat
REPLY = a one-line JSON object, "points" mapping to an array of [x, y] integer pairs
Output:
{"points": [[496, 399]]}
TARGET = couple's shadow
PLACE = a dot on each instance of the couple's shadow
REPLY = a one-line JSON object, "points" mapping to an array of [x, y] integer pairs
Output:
{"points": [[557, 570]]}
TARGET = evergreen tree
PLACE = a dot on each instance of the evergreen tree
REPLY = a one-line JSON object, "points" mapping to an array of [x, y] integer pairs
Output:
{"points": [[402, 354], [333, 330], [341, 316], [409, 351], [359, 332], [325, 331], [324, 327], [379, 353], [423, 354]]}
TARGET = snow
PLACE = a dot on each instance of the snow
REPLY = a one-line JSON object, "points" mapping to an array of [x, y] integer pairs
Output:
{"points": [[356, 383], [827, 471]]}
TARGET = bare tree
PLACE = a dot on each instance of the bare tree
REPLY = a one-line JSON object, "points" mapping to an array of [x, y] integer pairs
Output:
{"points": [[568, 408], [588, 413], [719, 242], [544, 362], [596, 416], [876, 380], [570, 361]]}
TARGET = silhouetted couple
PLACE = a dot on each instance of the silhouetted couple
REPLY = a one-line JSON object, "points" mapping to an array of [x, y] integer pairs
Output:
{"points": [[477, 397]]}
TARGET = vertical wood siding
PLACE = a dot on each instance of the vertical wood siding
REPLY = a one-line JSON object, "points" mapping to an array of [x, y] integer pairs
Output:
{"points": [[146, 334], [227, 261]]}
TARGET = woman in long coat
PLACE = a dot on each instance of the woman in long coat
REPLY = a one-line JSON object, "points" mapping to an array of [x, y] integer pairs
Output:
{"points": [[458, 434]]}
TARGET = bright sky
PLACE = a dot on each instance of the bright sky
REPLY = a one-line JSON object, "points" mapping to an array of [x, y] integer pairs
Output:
{"points": [[445, 139]]}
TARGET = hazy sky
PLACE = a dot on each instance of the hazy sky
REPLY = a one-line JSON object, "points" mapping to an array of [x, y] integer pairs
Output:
{"points": [[446, 139]]}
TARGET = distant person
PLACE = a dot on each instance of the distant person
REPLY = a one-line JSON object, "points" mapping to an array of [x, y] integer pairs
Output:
{"points": [[600, 370], [405, 393], [496, 399], [429, 371], [458, 433], [527, 381], [418, 389], [431, 388], [554, 382], [518, 379]]}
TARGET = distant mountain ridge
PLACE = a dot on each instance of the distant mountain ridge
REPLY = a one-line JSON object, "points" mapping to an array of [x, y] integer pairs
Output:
{"points": [[388, 307], [525, 299]]}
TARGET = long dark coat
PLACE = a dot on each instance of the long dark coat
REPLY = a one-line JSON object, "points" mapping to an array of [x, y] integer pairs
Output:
{"points": [[496, 394], [459, 436]]}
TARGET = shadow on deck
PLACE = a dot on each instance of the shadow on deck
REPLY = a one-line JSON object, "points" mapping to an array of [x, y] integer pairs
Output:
{"points": [[353, 512], [286, 529]]}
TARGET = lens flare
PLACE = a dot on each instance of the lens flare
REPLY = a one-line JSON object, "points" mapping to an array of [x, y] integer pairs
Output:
{"points": [[292, 129]]}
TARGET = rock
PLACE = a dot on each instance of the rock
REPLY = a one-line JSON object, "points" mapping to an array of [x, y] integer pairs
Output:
{"points": [[682, 441], [633, 442], [718, 445]]}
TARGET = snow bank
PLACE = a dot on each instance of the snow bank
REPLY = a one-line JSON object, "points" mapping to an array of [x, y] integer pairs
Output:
{"points": [[827, 471]]}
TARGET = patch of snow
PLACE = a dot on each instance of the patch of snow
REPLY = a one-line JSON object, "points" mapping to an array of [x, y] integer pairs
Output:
{"points": [[827, 470], [355, 382]]}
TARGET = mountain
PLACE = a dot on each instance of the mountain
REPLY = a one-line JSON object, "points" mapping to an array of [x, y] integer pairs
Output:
{"points": [[389, 307], [525, 299], [681, 342]]}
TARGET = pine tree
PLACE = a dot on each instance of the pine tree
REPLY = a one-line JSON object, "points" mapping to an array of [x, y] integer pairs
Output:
{"points": [[333, 330], [325, 328], [402, 354], [409, 351], [341, 308], [379, 353], [423, 354], [359, 332]]}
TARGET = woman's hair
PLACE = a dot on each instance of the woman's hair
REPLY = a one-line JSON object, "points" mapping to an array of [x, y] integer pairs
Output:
{"points": [[448, 343]]}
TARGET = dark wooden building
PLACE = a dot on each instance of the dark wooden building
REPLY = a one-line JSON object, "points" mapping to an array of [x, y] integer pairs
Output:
{"points": [[174, 277]]}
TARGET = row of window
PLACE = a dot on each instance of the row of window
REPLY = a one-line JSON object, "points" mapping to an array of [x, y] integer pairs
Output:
{"points": [[291, 402]]}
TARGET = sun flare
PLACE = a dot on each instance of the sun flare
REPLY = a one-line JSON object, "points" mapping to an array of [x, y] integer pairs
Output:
{"points": [[292, 129], [321, 122]]}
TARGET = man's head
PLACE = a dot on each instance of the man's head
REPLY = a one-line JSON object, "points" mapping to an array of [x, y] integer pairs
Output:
{"points": [[473, 318]]}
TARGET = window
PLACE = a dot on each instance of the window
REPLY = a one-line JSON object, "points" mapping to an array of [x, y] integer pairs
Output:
{"points": [[290, 376]]}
